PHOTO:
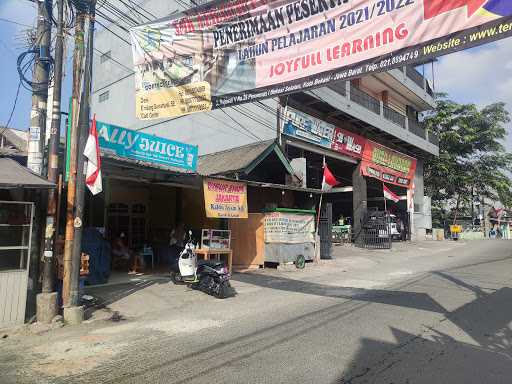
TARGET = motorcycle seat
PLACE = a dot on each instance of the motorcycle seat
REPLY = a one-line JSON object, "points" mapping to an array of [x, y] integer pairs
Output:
{"points": [[212, 263]]}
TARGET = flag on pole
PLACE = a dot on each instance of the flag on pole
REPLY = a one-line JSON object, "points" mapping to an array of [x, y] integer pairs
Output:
{"points": [[92, 153], [329, 181], [388, 194]]}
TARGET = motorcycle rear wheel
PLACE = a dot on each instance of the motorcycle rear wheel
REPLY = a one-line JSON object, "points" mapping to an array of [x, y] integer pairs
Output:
{"points": [[223, 291]]}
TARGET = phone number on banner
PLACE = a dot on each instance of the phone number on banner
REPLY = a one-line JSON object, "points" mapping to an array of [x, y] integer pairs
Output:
{"points": [[379, 8]]}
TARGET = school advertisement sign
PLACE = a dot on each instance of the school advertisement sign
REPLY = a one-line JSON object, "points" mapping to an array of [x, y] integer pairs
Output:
{"points": [[308, 128], [140, 146], [387, 165], [230, 52], [225, 199], [289, 228]]}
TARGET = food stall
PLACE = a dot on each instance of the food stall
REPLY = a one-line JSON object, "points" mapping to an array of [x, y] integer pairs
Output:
{"points": [[289, 236]]}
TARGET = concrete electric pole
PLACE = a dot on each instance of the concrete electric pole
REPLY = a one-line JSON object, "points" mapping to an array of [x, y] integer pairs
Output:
{"points": [[39, 89]]}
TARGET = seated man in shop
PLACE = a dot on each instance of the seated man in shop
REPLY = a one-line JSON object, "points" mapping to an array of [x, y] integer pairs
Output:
{"points": [[122, 255]]}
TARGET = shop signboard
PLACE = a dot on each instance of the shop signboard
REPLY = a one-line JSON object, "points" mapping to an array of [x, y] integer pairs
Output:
{"points": [[387, 165], [225, 199], [305, 127], [289, 228], [140, 146], [228, 52]]}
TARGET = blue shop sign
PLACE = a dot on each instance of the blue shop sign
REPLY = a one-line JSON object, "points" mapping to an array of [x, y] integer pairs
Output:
{"points": [[308, 128], [141, 146]]}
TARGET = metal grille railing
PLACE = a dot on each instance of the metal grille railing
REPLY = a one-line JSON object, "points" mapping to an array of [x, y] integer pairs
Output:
{"points": [[429, 89], [417, 129], [339, 87], [376, 231], [414, 75], [365, 100], [394, 116], [433, 138]]}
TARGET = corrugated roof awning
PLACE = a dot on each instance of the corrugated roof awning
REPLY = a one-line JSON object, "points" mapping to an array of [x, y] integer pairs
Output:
{"points": [[241, 159], [15, 175]]}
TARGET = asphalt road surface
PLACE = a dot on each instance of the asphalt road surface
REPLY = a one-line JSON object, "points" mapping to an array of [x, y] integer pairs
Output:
{"points": [[432, 313]]}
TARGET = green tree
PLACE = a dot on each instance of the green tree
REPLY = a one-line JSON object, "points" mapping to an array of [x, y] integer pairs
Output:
{"points": [[472, 158]]}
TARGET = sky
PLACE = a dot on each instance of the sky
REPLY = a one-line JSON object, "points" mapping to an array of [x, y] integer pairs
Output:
{"points": [[481, 75]]}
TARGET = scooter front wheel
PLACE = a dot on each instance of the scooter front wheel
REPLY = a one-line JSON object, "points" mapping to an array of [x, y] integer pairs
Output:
{"points": [[176, 278]]}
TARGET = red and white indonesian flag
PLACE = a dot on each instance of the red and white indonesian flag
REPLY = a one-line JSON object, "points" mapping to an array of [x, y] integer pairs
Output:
{"points": [[388, 194], [92, 153], [329, 181]]}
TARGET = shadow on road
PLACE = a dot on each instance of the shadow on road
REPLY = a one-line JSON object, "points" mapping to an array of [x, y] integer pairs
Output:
{"points": [[415, 300], [436, 357]]}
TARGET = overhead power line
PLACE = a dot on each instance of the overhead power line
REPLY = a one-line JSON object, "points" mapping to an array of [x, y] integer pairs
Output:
{"points": [[15, 22]]}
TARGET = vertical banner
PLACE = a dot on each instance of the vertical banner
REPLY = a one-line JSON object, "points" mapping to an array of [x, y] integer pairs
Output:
{"points": [[228, 52], [225, 199]]}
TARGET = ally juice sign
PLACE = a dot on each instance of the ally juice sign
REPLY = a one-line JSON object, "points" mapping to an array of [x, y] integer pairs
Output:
{"points": [[143, 147]]}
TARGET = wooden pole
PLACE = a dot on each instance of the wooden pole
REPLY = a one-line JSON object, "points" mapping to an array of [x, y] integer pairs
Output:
{"points": [[78, 57]]}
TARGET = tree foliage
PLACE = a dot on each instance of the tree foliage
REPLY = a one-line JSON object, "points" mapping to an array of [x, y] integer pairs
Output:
{"points": [[472, 157]]}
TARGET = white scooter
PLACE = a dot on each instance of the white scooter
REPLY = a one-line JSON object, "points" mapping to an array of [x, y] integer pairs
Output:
{"points": [[209, 276]]}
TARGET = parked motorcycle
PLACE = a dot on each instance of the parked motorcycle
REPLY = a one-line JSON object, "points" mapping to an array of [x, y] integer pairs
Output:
{"points": [[209, 276]]}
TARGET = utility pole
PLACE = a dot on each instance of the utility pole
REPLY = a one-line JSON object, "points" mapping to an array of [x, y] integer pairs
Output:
{"points": [[73, 313], [40, 82], [83, 124], [78, 54], [47, 300]]}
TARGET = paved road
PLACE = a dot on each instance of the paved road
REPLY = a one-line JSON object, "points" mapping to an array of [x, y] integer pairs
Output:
{"points": [[430, 313]]}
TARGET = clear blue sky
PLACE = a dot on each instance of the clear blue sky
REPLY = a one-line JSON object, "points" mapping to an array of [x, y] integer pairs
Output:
{"points": [[482, 75]]}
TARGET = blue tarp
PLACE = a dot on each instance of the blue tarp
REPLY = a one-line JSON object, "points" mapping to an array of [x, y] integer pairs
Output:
{"points": [[98, 250]]}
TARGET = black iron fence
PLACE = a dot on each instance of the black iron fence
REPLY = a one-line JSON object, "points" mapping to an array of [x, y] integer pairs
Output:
{"points": [[365, 100], [394, 116], [375, 232]]}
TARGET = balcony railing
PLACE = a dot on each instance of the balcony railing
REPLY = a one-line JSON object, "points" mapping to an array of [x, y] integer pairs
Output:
{"points": [[394, 116], [433, 138], [419, 79], [340, 87], [429, 89], [376, 106], [365, 100], [414, 75], [417, 129]]}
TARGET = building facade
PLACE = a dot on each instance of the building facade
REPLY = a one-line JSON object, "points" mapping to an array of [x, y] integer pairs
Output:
{"points": [[383, 108]]}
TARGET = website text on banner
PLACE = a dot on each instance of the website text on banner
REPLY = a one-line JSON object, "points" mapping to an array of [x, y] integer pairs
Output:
{"points": [[225, 199], [387, 165], [140, 146], [307, 128], [231, 52]]}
